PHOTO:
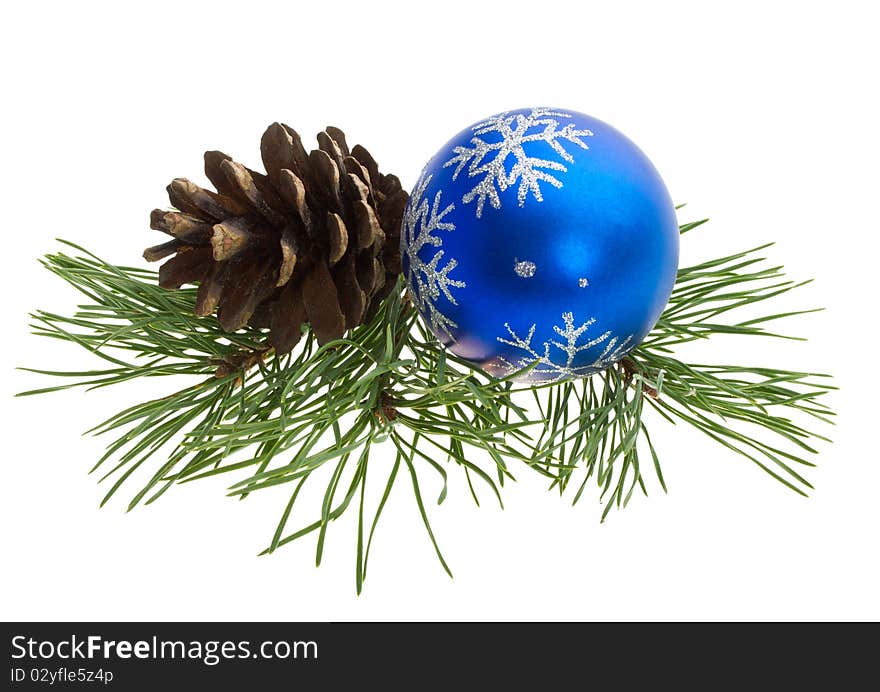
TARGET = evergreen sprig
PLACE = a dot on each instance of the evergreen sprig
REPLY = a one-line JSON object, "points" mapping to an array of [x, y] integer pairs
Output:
{"points": [[278, 420]]}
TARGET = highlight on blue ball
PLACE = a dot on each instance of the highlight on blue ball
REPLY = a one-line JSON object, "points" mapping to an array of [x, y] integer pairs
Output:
{"points": [[543, 237]]}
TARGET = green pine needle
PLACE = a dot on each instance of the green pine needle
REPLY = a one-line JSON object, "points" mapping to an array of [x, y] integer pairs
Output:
{"points": [[274, 421]]}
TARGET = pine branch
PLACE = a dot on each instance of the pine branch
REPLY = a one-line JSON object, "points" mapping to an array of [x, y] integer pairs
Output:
{"points": [[274, 421]]}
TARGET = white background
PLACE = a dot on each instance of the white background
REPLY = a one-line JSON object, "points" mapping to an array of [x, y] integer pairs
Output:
{"points": [[763, 116]]}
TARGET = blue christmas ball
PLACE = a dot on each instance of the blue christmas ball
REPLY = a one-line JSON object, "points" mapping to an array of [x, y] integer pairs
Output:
{"points": [[541, 236]]}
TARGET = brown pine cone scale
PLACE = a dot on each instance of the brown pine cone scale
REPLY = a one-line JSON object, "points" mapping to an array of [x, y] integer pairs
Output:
{"points": [[313, 240]]}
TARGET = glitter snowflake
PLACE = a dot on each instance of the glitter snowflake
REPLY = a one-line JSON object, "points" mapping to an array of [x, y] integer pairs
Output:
{"points": [[421, 221], [551, 370], [488, 160]]}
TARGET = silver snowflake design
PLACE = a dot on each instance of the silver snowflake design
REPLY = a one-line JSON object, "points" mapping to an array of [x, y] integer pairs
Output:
{"points": [[549, 369], [421, 221], [488, 160]]}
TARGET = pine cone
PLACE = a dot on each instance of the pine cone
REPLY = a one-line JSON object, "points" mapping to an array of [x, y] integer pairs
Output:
{"points": [[314, 240]]}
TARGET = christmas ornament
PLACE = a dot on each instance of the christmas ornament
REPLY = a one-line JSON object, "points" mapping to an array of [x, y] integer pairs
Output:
{"points": [[540, 237], [312, 241]]}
